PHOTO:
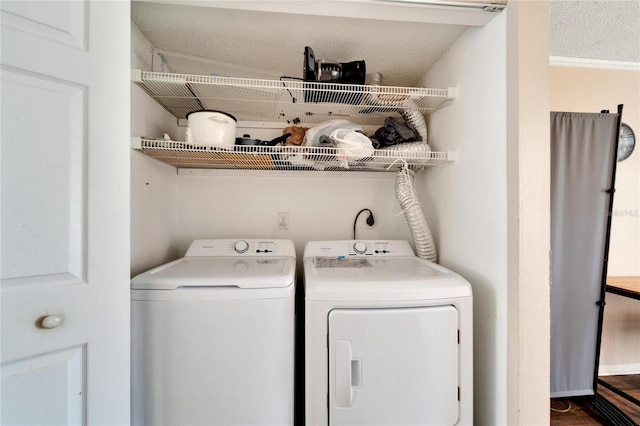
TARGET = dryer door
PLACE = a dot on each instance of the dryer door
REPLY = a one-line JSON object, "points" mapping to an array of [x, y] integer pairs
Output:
{"points": [[393, 366]]}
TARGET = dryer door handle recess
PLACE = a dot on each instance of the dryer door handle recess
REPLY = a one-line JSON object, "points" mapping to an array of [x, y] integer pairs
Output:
{"points": [[347, 372]]}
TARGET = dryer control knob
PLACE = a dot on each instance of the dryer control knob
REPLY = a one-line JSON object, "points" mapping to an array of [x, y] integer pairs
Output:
{"points": [[241, 246], [360, 247]]}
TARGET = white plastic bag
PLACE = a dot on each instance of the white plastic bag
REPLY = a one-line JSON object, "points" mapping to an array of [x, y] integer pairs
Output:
{"points": [[312, 137], [354, 145]]}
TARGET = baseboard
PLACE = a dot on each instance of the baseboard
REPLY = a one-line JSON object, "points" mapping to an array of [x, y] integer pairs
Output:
{"points": [[571, 394], [619, 369]]}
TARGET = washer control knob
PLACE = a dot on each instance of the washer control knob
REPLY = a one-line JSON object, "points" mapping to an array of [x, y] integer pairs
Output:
{"points": [[360, 247], [241, 246]]}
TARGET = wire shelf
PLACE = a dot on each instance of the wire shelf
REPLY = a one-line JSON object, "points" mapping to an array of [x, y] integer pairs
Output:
{"points": [[286, 100], [184, 155]]}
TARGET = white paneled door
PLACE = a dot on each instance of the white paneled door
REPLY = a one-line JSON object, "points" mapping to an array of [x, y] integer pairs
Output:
{"points": [[64, 212]]}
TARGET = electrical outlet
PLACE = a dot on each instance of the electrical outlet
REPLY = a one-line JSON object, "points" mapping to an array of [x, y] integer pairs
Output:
{"points": [[283, 221]]}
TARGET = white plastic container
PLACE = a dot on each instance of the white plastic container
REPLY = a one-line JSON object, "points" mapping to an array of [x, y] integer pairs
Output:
{"points": [[211, 129]]}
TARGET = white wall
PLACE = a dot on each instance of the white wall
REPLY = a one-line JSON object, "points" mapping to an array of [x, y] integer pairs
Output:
{"points": [[528, 204], [321, 206], [467, 199], [153, 184]]}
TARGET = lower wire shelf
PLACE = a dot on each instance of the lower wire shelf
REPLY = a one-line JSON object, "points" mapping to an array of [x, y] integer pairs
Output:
{"points": [[185, 155]]}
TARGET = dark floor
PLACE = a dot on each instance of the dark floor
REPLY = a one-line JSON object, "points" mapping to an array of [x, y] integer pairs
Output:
{"points": [[582, 413]]}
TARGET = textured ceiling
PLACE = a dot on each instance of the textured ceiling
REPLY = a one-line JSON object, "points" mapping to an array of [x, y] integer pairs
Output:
{"points": [[400, 51], [595, 29]]}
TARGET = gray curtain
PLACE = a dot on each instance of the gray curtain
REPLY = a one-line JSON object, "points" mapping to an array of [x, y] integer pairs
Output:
{"points": [[583, 155]]}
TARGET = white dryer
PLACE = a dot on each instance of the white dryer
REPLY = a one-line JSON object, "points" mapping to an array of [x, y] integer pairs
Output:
{"points": [[388, 337], [213, 336]]}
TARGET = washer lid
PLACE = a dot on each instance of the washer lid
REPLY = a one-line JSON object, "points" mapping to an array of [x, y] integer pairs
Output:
{"points": [[240, 273], [380, 279]]}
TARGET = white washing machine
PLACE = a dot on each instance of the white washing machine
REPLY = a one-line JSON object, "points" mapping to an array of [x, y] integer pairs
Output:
{"points": [[388, 337], [213, 336]]}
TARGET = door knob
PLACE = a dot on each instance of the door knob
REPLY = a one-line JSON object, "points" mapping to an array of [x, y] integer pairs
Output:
{"points": [[50, 321]]}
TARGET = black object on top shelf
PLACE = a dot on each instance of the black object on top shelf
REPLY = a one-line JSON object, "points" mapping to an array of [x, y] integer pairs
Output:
{"points": [[338, 75]]}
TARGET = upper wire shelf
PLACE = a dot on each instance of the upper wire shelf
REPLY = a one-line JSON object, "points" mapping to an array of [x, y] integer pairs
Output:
{"points": [[286, 100]]}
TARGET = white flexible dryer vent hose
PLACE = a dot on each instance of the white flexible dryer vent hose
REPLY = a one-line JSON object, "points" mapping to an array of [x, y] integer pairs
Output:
{"points": [[412, 209], [412, 114]]}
